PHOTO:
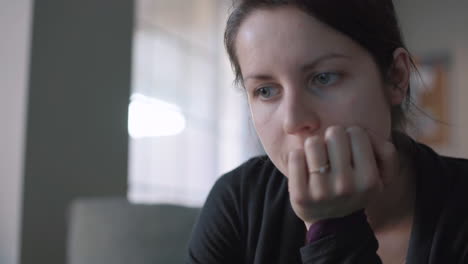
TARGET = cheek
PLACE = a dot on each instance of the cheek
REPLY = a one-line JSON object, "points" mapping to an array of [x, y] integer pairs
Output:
{"points": [[268, 126], [370, 111], [263, 116]]}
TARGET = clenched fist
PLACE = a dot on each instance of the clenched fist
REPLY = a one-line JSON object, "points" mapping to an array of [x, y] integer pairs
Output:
{"points": [[355, 166]]}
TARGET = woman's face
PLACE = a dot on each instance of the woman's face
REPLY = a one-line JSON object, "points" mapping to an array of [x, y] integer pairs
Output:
{"points": [[302, 76]]}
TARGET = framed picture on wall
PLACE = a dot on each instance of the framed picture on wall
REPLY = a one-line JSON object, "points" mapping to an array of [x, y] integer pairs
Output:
{"points": [[430, 94]]}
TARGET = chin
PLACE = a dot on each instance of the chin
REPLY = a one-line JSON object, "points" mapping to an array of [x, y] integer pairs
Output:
{"points": [[282, 164]]}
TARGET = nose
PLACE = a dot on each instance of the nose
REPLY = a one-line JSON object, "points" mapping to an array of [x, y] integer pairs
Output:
{"points": [[301, 118]]}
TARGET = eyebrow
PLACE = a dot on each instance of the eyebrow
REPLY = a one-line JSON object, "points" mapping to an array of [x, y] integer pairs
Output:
{"points": [[305, 67]]}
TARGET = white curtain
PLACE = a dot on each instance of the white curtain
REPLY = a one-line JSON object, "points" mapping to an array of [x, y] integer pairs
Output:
{"points": [[188, 124]]}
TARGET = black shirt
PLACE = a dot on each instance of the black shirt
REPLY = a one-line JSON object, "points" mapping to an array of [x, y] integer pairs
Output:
{"points": [[248, 218]]}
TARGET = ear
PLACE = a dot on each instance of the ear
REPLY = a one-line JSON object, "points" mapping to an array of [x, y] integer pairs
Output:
{"points": [[399, 76]]}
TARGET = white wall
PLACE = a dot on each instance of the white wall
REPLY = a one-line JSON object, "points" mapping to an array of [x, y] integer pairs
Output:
{"points": [[15, 28], [434, 26]]}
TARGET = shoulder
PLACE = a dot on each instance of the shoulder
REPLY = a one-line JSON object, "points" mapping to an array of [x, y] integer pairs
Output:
{"points": [[444, 175], [439, 171], [458, 166], [453, 221], [456, 172], [246, 191], [441, 211], [247, 169], [218, 234], [232, 187], [450, 187], [253, 173], [233, 193]]}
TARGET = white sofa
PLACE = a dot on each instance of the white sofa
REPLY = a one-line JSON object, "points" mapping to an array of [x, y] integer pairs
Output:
{"points": [[114, 231]]}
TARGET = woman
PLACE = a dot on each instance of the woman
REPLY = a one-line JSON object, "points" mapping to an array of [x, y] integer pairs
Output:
{"points": [[327, 83]]}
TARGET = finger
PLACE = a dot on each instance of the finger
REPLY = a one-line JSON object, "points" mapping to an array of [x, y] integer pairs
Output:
{"points": [[317, 157], [365, 165], [385, 154], [339, 153], [297, 177]]}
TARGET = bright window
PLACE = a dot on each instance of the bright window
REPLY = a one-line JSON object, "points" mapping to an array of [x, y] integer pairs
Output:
{"points": [[187, 123]]}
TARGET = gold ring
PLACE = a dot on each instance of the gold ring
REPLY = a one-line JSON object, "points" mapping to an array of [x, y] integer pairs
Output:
{"points": [[320, 170]]}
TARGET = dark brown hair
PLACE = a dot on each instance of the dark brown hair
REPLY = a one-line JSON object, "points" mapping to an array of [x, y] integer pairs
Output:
{"points": [[371, 23]]}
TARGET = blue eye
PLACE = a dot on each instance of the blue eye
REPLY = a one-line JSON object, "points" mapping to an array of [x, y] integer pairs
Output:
{"points": [[325, 78], [266, 92]]}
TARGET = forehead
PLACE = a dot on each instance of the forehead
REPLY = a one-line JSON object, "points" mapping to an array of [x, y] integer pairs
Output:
{"points": [[287, 35], [277, 21]]}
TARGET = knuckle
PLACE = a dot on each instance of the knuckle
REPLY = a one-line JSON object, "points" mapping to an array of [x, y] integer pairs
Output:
{"points": [[300, 199], [313, 142], [355, 131], [341, 176], [373, 172], [370, 184], [334, 131], [319, 196], [368, 172], [343, 188], [374, 182]]}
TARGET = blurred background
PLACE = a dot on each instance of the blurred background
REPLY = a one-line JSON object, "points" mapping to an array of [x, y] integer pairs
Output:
{"points": [[131, 102]]}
